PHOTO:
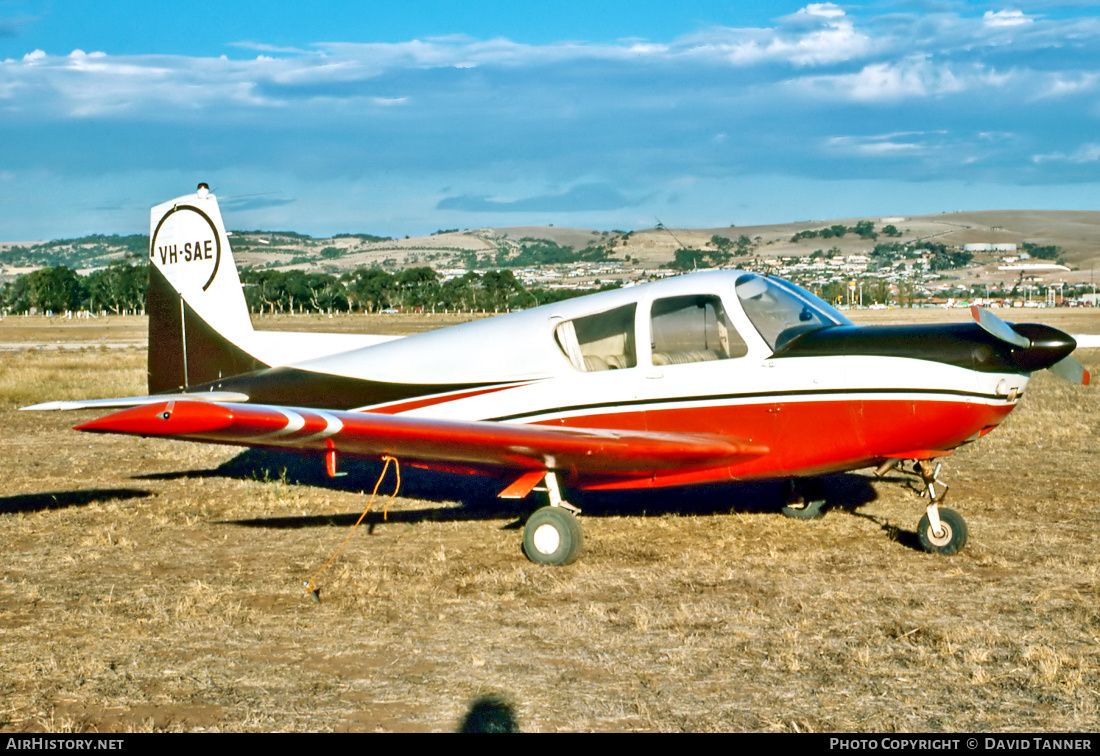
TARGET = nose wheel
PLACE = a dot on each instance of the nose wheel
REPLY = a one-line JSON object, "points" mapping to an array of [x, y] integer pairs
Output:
{"points": [[941, 530], [948, 538]]}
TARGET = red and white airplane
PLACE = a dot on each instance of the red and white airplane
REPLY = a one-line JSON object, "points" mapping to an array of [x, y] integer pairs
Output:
{"points": [[708, 377]]}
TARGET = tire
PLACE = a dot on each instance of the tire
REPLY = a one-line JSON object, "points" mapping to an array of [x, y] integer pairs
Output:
{"points": [[806, 500], [811, 510], [955, 533], [552, 535]]}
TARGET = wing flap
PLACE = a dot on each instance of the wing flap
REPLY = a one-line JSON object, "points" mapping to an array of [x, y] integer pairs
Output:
{"points": [[503, 445]]}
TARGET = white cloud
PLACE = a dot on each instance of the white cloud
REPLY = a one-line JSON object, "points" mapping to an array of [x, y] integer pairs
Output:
{"points": [[835, 44], [1003, 18], [819, 34], [1086, 153], [894, 144], [1066, 84], [821, 10], [891, 81], [272, 48]]}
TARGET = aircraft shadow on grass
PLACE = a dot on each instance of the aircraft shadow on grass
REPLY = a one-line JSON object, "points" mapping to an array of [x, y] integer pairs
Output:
{"points": [[476, 496], [64, 499]]}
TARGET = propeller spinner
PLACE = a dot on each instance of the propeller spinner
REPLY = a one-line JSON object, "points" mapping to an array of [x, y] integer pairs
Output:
{"points": [[1037, 347]]}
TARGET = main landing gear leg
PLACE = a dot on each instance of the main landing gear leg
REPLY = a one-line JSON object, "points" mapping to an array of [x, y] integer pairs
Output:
{"points": [[941, 530], [552, 534]]}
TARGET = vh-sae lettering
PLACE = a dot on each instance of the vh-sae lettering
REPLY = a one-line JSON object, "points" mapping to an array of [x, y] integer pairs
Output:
{"points": [[170, 254]]}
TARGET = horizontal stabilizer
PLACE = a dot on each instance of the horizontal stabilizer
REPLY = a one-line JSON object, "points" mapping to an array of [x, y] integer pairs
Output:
{"points": [[135, 401]]}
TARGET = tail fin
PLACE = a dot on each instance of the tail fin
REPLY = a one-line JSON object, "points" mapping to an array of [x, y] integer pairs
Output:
{"points": [[199, 328]]}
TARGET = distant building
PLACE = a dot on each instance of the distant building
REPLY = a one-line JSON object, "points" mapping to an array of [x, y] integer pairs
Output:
{"points": [[986, 247]]}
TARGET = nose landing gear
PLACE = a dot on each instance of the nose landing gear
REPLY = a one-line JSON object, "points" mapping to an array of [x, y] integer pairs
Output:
{"points": [[941, 530]]}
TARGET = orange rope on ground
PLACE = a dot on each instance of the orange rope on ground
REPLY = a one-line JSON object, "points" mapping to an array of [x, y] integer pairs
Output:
{"points": [[308, 584]]}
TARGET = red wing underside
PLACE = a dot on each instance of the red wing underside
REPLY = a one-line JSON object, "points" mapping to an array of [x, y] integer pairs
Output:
{"points": [[602, 456]]}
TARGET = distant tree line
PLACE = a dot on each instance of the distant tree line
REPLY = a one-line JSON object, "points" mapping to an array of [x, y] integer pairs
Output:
{"points": [[374, 290], [863, 229], [120, 288], [941, 257], [1045, 252], [725, 249]]}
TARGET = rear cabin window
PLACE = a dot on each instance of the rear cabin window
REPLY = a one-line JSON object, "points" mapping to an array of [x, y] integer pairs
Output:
{"points": [[693, 329], [604, 341]]}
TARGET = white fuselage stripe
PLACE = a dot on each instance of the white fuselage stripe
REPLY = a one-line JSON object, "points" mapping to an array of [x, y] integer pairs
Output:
{"points": [[294, 423], [333, 425]]}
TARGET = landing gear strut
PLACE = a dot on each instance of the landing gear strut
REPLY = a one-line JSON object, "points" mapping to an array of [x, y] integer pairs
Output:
{"points": [[941, 530]]}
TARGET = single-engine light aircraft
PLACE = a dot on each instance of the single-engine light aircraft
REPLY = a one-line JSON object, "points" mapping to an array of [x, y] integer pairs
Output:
{"points": [[702, 378]]}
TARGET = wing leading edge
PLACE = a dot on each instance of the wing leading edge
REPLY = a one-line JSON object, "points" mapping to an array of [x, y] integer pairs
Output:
{"points": [[600, 454]]}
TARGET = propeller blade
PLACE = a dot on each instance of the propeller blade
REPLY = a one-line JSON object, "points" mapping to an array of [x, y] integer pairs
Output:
{"points": [[993, 325], [1069, 369]]}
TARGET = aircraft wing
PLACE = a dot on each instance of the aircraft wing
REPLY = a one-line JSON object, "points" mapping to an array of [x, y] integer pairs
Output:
{"points": [[479, 444]]}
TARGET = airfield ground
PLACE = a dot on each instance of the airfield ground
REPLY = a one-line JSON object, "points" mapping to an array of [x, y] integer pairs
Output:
{"points": [[155, 586]]}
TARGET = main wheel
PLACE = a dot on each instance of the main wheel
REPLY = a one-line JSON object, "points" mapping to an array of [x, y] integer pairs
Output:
{"points": [[805, 500], [953, 538], [552, 535]]}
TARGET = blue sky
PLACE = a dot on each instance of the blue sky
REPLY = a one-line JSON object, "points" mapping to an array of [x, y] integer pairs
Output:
{"points": [[403, 118]]}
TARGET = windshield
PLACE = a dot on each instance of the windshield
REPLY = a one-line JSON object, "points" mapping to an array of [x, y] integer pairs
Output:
{"points": [[780, 311]]}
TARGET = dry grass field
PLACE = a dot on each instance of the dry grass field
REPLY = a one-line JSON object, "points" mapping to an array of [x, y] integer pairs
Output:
{"points": [[156, 586]]}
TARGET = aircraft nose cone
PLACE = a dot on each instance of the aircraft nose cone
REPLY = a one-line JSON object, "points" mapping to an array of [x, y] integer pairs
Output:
{"points": [[1048, 346]]}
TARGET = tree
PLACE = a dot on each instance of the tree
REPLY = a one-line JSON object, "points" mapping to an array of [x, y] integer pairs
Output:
{"points": [[690, 259], [326, 293], [866, 230], [368, 289], [417, 287], [118, 287], [54, 289], [500, 288]]}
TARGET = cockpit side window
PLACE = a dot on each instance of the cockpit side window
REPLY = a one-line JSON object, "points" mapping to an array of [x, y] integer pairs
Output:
{"points": [[604, 341], [693, 329], [781, 311]]}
